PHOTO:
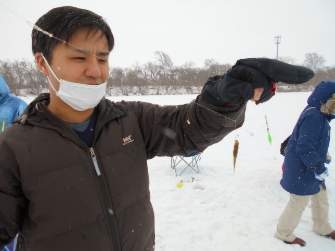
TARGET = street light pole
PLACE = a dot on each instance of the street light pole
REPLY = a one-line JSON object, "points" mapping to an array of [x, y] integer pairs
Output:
{"points": [[277, 42]]}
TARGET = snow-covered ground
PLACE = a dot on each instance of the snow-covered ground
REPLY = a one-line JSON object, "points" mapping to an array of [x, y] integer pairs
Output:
{"points": [[226, 210]]}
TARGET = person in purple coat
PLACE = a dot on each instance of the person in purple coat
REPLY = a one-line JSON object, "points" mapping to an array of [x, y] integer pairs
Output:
{"points": [[304, 166]]}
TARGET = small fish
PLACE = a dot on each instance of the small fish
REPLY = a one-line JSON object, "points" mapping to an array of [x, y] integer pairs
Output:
{"points": [[235, 151]]}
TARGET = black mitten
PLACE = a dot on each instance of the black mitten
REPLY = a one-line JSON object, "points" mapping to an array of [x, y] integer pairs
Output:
{"points": [[238, 84], [276, 71]]}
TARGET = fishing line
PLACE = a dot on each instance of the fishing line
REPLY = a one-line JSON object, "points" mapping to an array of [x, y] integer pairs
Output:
{"points": [[36, 27]]}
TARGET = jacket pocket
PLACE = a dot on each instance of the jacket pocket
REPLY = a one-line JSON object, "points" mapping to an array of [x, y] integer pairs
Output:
{"points": [[309, 175]]}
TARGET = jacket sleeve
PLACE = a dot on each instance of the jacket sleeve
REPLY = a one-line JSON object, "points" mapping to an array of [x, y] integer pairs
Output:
{"points": [[12, 200], [309, 133], [182, 129]]}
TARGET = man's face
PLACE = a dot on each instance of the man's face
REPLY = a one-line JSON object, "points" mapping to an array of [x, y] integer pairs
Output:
{"points": [[87, 63]]}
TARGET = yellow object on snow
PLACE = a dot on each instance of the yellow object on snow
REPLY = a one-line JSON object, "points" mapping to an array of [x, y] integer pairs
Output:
{"points": [[180, 184]]}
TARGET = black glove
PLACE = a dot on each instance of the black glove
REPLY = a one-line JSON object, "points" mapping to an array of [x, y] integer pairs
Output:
{"points": [[238, 84]]}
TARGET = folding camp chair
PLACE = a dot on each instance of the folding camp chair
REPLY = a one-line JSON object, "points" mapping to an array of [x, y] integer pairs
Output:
{"points": [[190, 161]]}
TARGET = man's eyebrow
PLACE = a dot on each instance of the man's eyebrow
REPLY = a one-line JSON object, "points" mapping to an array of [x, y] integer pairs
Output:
{"points": [[100, 53], [103, 53]]}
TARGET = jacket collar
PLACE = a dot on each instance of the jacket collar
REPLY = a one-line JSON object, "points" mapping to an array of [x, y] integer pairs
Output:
{"points": [[37, 111], [37, 114]]}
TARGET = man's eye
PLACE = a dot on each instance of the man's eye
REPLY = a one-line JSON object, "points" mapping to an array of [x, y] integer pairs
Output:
{"points": [[103, 60], [79, 58]]}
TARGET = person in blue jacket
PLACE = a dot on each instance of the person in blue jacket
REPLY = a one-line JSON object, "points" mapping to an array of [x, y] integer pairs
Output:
{"points": [[10, 106], [304, 166]]}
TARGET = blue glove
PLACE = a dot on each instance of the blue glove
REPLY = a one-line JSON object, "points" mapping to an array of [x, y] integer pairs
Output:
{"points": [[328, 159], [322, 176]]}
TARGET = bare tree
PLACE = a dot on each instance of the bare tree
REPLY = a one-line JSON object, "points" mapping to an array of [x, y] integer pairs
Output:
{"points": [[215, 68], [331, 73], [165, 63], [154, 76], [165, 66], [13, 76], [117, 80], [135, 77], [314, 61], [151, 71], [36, 82], [23, 75]]}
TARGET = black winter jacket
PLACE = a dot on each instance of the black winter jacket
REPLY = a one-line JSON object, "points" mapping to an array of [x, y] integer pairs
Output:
{"points": [[61, 195]]}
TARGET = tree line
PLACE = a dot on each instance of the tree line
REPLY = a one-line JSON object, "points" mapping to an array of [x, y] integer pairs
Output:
{"points": [[158, 77]]}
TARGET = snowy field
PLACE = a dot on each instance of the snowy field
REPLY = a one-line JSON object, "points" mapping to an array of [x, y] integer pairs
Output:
{"points": [[223, 210]]}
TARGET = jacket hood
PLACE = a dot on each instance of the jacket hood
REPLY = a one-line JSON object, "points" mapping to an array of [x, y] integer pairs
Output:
{"points": [[321, 94], [4, 89]]}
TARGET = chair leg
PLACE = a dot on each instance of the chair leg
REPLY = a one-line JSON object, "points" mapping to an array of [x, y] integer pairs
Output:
{"points": [[174, 164], [192, 164], [197, 159], [188, 165]]}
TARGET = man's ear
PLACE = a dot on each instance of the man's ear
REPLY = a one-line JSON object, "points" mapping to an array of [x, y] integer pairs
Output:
{"points": [[41, 64]]}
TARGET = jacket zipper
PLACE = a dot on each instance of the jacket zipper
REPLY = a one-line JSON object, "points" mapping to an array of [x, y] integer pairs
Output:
{"points": [[102, 186], [106, 202], [3, 126], [107, 205], [109, 210], [95, 162]]}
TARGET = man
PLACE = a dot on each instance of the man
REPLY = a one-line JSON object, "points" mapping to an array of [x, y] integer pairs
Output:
{"points": [[73, 169], [10, 106]]}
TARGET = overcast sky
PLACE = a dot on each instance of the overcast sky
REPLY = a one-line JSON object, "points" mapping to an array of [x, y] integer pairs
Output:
{"points": [[190, 30]]}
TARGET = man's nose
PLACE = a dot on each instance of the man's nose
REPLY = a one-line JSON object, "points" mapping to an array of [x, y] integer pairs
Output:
{"points": [[93, 68]]}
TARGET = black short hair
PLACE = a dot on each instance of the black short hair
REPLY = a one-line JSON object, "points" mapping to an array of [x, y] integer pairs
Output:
{"points": [[63, 22]]}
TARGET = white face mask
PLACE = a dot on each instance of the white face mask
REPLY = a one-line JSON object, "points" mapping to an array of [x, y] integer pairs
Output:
{"points": [[80, 97]]}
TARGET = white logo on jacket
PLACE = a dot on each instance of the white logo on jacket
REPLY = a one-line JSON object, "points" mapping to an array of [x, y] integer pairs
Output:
{"points": [[127, 140]]}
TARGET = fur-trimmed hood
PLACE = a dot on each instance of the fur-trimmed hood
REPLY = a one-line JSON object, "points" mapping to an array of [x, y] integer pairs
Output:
{"points": [[322, 97]]}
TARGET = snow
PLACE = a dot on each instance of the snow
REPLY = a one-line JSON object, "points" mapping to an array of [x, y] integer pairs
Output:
{"points": [[226, 210]]}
